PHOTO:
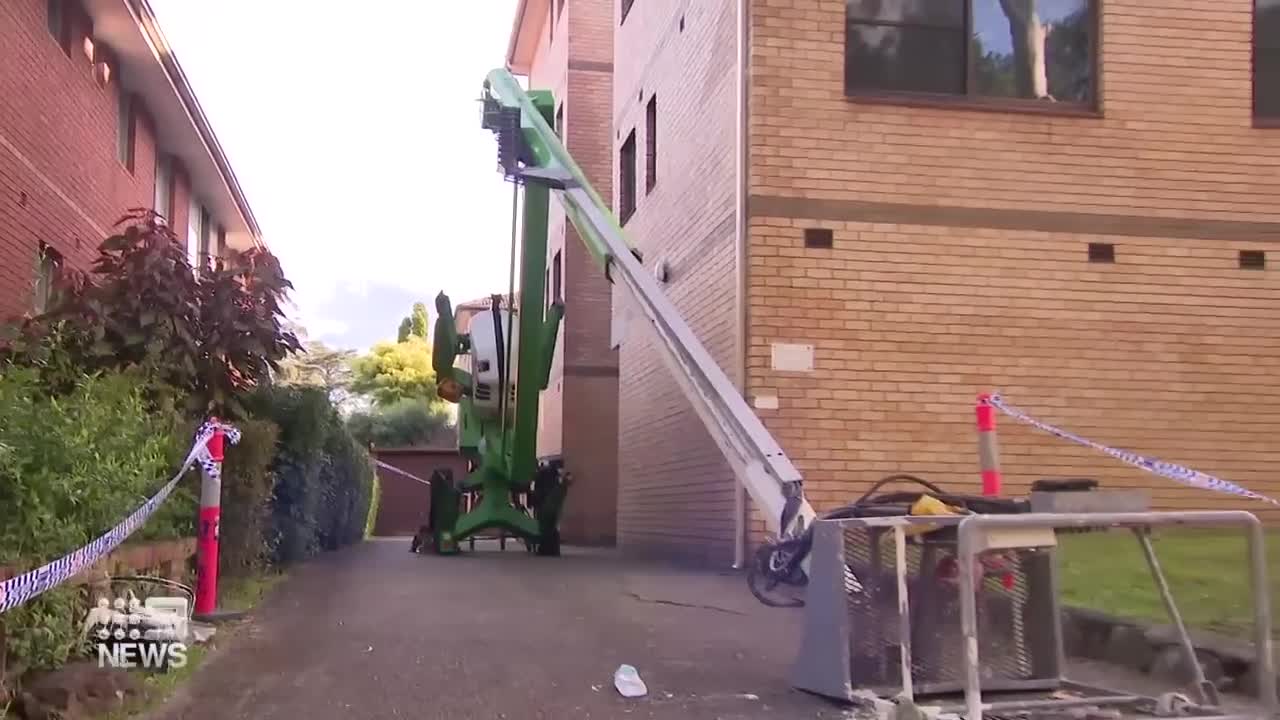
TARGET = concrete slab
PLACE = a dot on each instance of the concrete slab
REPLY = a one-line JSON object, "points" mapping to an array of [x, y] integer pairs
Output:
{"points": [[375, 632]]}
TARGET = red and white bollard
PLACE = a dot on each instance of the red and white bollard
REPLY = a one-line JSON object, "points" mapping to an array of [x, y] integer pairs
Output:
{"points": [[988, 448], [207, 535]]}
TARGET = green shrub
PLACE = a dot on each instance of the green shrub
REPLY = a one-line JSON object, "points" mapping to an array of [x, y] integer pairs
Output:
{"points": [[375, 502], [76, 465], [247, 484], [323, 477], [72, 467], [406, 423], [44, 632]]}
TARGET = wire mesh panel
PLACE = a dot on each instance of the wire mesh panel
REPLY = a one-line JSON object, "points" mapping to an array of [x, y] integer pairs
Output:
{"points": [[1017, 618]]}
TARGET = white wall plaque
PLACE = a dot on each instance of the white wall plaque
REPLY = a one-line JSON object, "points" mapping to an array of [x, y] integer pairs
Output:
{"points": [[766, 402], [792, 358]]}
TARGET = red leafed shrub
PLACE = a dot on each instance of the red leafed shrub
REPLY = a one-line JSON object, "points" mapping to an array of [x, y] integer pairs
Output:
{"points": [[204, 337]]}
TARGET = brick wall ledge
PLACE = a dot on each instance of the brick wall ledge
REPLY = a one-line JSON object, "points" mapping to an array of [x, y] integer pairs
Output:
{"points": [[1228, 662], [131, 558]]}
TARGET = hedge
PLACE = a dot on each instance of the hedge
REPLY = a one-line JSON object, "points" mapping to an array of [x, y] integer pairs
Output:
{"points": [[323, 478]]}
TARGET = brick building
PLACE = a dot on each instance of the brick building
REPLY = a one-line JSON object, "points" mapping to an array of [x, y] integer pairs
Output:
{"points": [[566, 46], [98, 119], [872, 210]]}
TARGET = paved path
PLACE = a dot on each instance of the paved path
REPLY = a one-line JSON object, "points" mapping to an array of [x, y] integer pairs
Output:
{"points": [[373, 633]]}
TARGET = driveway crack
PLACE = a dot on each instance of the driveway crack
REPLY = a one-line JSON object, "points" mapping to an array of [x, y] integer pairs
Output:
{"points": [[695, 606]]}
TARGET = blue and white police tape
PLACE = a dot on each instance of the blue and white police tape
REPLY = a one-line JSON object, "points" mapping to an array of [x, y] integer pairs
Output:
{"points": [[23, 588], [398, 471], [1172, 471]]}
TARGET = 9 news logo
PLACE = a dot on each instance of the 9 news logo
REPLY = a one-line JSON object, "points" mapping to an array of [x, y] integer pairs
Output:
{"points": [[145, 654]]}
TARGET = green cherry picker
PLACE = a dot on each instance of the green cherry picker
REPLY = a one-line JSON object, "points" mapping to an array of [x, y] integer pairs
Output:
{"points": [[508, 351]]}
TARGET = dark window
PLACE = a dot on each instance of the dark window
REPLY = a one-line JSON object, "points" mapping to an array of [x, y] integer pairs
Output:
{"points": [[126, 123], [1102, 252], [559, 128], [48, 268], [818, 238], [651, 144], [164, 186], [976, 48], [59, 24], [627, 178], [557, 278], [1253, 259], [1266, 59], [220, 248], [626, 8], [206, 236]]}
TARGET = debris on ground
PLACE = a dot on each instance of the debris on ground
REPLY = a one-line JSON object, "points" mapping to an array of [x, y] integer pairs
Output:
{"points": [[627, 680], [77, 690]]}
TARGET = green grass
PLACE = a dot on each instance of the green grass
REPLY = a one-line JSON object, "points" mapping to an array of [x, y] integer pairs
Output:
{"points": [[244, 593], [1207, 572]]}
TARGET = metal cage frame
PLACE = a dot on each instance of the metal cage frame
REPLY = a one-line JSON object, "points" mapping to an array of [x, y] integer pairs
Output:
{"points": [[825, 664]]}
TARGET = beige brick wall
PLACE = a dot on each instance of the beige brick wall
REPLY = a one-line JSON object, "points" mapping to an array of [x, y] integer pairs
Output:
{"points": [[675, 492], [923, 302]]}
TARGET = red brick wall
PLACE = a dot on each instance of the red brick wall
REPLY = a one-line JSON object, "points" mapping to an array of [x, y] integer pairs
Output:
{"points": [[922, 303], [579, 408], [675, 490], [60, 180], [404, 502]]}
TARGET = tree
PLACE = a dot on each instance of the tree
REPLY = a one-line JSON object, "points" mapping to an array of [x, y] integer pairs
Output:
{"points": [[406, 329], [207, 337], [420, 321], [396, 371], [319, 365], [407, 423]]}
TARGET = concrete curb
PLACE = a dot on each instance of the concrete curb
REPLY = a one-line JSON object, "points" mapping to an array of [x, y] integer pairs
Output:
{"points": [[1227, 661]]}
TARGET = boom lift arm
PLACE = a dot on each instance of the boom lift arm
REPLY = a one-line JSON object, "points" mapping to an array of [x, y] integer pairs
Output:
{"points": [[530, 152]]}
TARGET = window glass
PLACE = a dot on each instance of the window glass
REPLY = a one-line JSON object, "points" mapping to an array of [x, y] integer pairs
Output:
{"points": [[907, 59], [942, 13], [1036, 49], [1023, 49], [1266, 72]]}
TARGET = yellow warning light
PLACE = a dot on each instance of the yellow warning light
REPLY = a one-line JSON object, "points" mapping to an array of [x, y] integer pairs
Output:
{"points": [[449, 389]]}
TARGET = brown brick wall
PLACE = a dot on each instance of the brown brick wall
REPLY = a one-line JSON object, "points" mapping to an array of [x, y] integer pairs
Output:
{"points": [[922, 302], [675, 491], [405, 503], [579, 409], [60, 180]]}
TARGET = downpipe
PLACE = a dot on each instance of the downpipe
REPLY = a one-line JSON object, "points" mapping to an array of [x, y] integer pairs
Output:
{"points": [[741, 179]]}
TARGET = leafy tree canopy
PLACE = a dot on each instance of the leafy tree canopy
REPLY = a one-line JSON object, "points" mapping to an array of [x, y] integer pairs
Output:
{"points": [[392, 372]]}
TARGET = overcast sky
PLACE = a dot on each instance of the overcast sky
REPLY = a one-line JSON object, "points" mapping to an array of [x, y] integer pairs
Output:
{"points": [[354, 130]]}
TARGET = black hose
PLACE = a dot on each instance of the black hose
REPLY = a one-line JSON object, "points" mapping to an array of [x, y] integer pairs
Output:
{"points": [[868, 505]]}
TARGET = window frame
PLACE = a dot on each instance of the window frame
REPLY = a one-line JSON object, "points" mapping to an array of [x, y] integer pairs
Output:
{"points": [[49, 264], [1255, 44], [557, 277], [219, 241], [126, 129], [56, 12], [165, 172], [651, 144], [972, 101], [627, 178]]}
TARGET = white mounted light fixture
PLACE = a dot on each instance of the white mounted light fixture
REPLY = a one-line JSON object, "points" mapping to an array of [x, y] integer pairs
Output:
{"points": [[88, 48], [662, 271], [102, 73]]}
